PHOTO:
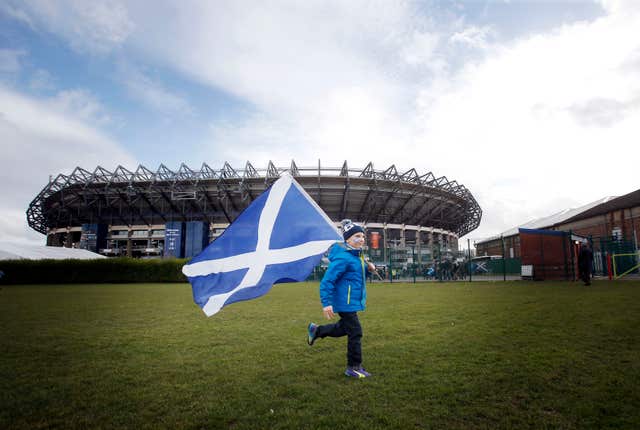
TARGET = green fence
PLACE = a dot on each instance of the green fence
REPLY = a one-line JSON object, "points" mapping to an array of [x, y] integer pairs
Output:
{"points": [[614, 245], [410, 264], [495, 268]]}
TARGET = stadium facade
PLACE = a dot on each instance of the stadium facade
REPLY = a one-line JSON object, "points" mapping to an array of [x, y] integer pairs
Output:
{"points": [[177, 213]]}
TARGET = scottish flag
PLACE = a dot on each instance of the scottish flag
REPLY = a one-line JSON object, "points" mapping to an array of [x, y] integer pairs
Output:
{"points": [[280, 237]]}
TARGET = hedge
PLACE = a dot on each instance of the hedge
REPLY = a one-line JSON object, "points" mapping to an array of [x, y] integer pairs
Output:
{"points": [[108, 270]]}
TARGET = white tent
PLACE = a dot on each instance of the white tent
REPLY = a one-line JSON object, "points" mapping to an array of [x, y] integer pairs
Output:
{"points": [[21, 251]]}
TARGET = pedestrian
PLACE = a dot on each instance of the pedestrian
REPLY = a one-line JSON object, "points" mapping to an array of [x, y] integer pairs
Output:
{"points": [[343, 291], [585, 262]]}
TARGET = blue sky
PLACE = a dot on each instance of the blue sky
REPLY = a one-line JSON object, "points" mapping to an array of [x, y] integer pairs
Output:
{"points": [[511, 98]]}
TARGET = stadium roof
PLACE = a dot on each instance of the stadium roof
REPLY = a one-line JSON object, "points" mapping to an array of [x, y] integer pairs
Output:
{"points": [[551, 220], [18, 251], [145, 197]]}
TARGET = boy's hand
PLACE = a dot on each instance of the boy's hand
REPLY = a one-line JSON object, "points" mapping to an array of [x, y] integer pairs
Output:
{"points": [[372, 267], [328, 312]]}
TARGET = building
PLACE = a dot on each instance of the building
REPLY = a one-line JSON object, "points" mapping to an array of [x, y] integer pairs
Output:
{"points": [[611, 223], [167, 213]]}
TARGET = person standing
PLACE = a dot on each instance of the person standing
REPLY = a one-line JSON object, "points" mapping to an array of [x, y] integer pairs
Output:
{"points": [[343, 291], [585, 262]]}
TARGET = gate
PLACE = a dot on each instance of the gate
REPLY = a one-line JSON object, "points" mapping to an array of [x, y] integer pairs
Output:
{"points": [[623, 253]]}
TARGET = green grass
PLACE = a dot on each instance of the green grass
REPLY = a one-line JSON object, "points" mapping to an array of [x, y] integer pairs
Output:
{"points": [[453, 355]]}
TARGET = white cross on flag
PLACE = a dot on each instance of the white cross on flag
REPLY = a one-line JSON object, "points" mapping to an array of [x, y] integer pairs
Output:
{"points": [[280, 237]]}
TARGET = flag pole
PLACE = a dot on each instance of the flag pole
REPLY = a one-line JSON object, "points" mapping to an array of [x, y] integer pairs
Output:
{"points": [[374, 270]]}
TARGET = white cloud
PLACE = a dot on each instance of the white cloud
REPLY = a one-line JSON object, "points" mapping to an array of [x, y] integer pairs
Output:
{"points": [[39, 140], [421, 49], [474, 37], [16, 13], [327, 79], [14, 228], [330, 83], [11, 60], [559, 109], [42, 80], [293, 55], [602, 112], [516, 122], [88, 26], [81, 104], [151, 92], [619, 6]]}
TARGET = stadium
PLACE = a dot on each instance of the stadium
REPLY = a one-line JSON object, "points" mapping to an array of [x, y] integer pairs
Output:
{"points": [[168, 213]]}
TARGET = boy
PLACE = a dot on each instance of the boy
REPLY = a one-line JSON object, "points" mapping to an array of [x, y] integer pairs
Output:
{"points": [[343, 291]]}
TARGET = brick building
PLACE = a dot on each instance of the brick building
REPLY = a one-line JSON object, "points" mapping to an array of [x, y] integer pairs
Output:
{"points": [[616, 218]]}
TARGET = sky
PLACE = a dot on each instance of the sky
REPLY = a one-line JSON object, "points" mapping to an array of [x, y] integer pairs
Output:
{"points": [[533, 105]]}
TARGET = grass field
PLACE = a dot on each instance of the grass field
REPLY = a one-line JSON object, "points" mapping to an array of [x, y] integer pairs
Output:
{"points": [[449, 355]]}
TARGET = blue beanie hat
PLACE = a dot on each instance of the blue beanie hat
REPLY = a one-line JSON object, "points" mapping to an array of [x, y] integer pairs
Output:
{"points": [[350, 229]]}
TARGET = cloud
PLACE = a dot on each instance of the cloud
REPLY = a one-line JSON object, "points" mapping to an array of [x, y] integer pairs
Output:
{"points": [[14, 12], [421, 48], [390, 82], [94, 27], [550, 108], [328, 79], [294, 55], [475, 37], [151, 91], [619, 7], [42, 80], [10, 60], [381, 85], [81, 104], [39, 140], [602, 112]]}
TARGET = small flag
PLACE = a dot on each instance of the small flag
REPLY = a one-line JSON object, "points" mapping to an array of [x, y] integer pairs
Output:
{"points": [[280, 237]]}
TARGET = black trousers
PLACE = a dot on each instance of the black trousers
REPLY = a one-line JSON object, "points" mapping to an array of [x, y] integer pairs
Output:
{"points": [[349, 325], [585, 275]]}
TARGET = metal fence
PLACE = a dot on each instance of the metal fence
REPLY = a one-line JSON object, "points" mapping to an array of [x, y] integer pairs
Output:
{"points": [[615, 256], [409, 264]]}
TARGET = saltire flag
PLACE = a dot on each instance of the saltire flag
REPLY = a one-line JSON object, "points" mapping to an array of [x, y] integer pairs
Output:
{"points": [[280, 237]]}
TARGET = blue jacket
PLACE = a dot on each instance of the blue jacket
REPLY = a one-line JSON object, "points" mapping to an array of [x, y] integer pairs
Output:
{"points": [[343, 285]]}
